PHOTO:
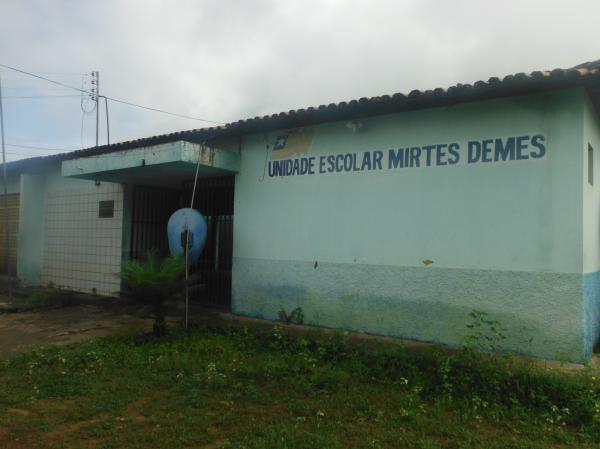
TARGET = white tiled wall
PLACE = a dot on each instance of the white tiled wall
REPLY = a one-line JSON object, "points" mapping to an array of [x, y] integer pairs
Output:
{"points": [[82, 251]]}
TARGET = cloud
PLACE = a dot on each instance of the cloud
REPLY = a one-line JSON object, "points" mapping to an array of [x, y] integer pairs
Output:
{"points": [[226, 60]]}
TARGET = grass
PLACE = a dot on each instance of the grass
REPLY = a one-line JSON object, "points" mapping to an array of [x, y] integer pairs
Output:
{"points": [[237, 387]]}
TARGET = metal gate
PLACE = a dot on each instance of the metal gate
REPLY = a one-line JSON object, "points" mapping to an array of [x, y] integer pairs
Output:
{"points": [[214, 199], [12, 210], [151, 209]]}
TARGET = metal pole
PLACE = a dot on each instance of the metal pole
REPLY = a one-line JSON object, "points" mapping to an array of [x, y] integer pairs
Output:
{"points": [[6, 221], [97, 102], [217, 239], [107, 125], [187, 277]]}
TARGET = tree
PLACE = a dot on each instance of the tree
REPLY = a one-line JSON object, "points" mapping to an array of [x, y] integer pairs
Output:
{"points": [[153, 280]]}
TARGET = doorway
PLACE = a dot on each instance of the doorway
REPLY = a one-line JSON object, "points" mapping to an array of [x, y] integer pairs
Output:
{"points": [[151, 208]]}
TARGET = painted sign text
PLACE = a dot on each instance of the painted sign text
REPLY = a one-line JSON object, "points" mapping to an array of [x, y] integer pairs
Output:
{"points": [[486, 151]]}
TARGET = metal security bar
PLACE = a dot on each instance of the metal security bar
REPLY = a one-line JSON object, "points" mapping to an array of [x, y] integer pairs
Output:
{"points": [[151, 209], [214, 199], [10, 206]]}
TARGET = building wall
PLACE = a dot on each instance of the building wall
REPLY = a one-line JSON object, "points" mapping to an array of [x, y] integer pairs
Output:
{"points": [[410, 252], [31, 229], [12, 184], [80, 250], [591, 227]]}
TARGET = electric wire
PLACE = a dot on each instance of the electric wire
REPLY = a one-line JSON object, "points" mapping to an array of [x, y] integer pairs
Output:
{"points": [[187, 240], [28, 155], [54, 73], [267, 147], [39, 96], [34, 147], [110, 98], [37, 88]]}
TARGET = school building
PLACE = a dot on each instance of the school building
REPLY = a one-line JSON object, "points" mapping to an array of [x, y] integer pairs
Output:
{"points": [[395, 215]]}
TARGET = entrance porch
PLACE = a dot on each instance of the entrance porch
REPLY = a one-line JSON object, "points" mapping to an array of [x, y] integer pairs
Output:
{"points": [[156, 181]]}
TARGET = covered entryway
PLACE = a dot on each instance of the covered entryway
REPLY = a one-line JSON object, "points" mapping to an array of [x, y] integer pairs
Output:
{"points": [[151, 209], [157, 181]]}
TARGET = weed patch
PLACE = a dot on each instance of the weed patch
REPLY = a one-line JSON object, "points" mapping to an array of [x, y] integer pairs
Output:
{"points": [[240, 387]]}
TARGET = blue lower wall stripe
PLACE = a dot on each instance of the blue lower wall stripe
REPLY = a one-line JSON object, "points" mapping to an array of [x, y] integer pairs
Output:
{"points": [[542, 312]]}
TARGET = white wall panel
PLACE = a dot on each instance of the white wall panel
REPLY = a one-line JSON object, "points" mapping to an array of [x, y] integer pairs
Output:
{"points": [[82, 251]]}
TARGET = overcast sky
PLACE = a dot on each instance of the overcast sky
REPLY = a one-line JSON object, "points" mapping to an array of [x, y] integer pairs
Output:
{"points": [[225, 60]]}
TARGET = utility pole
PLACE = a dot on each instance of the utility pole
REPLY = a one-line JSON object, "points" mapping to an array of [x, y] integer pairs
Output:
{"points": [[6, 220], [107, 124], [96, 97]]}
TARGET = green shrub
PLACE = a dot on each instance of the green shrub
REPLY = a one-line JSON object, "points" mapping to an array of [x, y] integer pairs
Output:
{"points": [[296, 316], [154, 280], [484, 333], [470, 380]]}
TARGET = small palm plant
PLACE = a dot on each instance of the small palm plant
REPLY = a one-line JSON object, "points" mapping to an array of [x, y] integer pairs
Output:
{"points": [[153, 280]]}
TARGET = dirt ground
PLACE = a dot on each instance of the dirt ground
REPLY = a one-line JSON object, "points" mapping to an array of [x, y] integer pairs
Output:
{"points": [[63, 326]]}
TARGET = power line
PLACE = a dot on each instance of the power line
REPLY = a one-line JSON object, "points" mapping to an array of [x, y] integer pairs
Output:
{"points": [[54, 73], [37, 88], [110, 98], [24, 154], [42, 78], [39, 96], [33, 147], [163, 111]]}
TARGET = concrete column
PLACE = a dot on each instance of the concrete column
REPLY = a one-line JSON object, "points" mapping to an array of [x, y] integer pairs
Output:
{"points": [[31, 229], [127, 216]]}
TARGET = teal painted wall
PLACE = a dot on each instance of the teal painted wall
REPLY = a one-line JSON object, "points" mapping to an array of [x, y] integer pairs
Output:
{"points": [[591, 227], [541, 312], [505, 238], [13, 184], [31, 229], [591, 193]]}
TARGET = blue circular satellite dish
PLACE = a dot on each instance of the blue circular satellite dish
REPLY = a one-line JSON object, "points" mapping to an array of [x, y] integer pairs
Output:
{"points": [[185, 221]]}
